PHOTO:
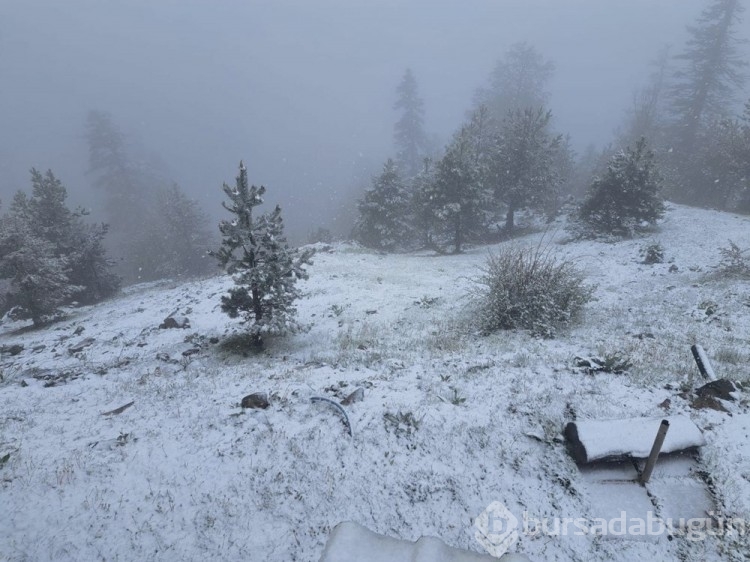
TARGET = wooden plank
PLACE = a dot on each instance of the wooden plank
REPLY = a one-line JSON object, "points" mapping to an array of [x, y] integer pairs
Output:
{"points": [[609, 440]]}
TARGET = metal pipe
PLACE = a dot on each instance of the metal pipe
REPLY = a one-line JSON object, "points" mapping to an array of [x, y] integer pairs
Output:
{"points": [[655, 450]]}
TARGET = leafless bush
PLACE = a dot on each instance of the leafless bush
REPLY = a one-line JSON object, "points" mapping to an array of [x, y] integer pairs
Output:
{"points": [[529, 288], [734, 261]]}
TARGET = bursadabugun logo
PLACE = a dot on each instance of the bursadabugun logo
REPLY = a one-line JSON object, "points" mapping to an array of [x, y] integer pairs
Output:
{"points": [[496, 529]]}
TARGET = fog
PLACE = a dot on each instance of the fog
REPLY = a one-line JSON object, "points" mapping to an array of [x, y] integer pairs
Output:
{"points": [[302, 90]]}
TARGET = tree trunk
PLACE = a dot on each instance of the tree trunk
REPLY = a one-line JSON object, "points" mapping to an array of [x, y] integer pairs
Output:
{"points": [[458, 237], [509, 220], [257, 308]]}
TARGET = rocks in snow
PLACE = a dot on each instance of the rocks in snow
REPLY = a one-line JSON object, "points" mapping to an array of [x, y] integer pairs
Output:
{"points": [[12, 349], [81, 345], [721, 388], [708, 403], [257, 400], [175, 322], [357, 396]]}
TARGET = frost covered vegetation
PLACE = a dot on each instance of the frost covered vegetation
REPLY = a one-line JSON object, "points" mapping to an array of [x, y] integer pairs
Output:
{"points": [[450, 419], [529, 288], [265, 270], [172, 390]]}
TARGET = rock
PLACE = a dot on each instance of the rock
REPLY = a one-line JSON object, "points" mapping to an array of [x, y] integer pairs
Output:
{"points": [[161, 356], [191, 351], [581, 362], [721, 388], [708, 403], [81, 345], [79, 330], [175, 322], [673, 268], [644, 335], [257, 400], [12, 349], [357, 396]]}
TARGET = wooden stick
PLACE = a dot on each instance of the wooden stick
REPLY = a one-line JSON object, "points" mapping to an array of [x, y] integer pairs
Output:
{"points": [[655, 450], [119, 410]]}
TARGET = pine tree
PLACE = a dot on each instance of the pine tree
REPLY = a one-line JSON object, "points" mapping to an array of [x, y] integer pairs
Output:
{"points": [[181, 228], [518, 82], [703, 94], [141, 210], [724, 160], [409, 135], [422, 213], [115, 175], [456, 196], [626, 196], [38, 278], [741, 161], [81, 244], [59, 253], [265, 270], [712, 71], [525, 165], [382, 220], [646, 116], [90, 266]]}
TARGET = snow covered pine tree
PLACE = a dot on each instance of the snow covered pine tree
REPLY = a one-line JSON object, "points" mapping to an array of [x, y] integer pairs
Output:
{"points": [[382, 222], [265, 270], [626, 196]]}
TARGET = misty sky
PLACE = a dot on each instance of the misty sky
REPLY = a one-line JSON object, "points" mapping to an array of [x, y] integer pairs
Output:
{"points": [[302, 90]]}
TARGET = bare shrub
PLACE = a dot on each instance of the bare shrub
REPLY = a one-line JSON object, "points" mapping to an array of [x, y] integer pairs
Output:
{"points": [[531, 289], [734, 261]]}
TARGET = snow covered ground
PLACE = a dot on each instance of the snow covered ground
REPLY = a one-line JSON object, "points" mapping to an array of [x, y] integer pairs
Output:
{"points": [[451, 420]]}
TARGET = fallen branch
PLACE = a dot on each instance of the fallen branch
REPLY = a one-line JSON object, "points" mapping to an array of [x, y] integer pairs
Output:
{"points": [[119, 410]]}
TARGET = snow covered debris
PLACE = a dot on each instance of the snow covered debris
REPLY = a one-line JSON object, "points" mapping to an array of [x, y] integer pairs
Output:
{"points": [[596, 440], [452, 421], [350, 541]]}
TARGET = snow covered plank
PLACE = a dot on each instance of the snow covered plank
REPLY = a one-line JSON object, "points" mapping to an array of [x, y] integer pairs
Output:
{"points": [[606, 440], [350, 541]]}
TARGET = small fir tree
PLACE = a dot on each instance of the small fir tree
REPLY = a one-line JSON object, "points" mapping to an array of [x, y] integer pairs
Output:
{"points": [[181, 227], [626, 196], [382, 212], [49, 255], [81, 244], [456, 195], [525, 168], [38, 278], [264, 269]]}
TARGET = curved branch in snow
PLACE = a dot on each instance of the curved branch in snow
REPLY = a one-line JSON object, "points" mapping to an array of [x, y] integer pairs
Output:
{"points": [[338, 408]]}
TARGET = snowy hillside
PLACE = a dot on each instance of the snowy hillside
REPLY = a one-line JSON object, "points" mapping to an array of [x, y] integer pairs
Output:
{"points": [[451, 420]]}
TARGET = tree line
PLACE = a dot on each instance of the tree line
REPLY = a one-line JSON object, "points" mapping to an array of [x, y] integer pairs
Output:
{"points": [[683, 137]]}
